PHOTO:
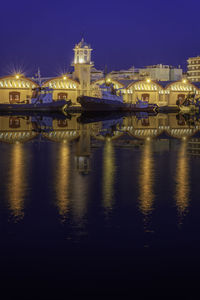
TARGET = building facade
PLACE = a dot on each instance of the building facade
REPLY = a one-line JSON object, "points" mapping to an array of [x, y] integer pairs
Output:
{"points": [[162, 72], [17, 88], [193, 69], [155, 72]]}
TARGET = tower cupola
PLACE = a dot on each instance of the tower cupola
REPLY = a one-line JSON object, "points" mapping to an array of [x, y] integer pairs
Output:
{"points": [[82, 53], [82, 66]]}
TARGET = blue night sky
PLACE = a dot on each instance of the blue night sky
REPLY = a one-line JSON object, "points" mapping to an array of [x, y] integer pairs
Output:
{"points": [[122, 34]]}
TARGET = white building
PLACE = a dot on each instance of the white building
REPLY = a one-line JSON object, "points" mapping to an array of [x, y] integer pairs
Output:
{"points": [[155, 72], [162, 72], [96, 74], [193, 68]]}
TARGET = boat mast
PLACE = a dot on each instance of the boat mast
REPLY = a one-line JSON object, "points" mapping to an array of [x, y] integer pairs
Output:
{"points": [[39, 77]]}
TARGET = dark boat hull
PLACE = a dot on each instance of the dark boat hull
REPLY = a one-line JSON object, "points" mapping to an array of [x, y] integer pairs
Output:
{"points": [[96, 104], [46, 107]]}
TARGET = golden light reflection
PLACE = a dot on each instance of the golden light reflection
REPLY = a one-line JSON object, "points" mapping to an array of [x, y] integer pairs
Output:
{"points": [[146, 182], [109, 170], [182, 181], [17, 181], [62, 179], [80, 195]]}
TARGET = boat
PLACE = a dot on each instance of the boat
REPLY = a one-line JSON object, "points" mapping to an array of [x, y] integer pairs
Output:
{"points": [[168, 109], [189, 104], [110, 99], [41, 101], [189, 108], [141, 106]]}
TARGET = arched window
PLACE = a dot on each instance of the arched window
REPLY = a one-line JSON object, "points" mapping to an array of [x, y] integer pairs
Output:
{"points": [[14, 122], [145, 97], [62, 96], [145, 122], [14, 97], [62, 123], [180, 99]]}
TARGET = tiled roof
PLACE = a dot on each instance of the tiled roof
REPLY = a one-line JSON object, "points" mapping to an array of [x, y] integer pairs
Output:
{"points": [[197, 84], [164, 84]]}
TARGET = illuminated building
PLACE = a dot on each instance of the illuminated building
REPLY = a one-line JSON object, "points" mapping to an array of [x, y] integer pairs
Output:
{"points": [[162, 72], [96, 74], [158, 85], [82, 66], [193, 68], [157, 72]]}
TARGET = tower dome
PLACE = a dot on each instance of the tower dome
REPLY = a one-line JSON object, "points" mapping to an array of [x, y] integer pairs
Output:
{"points": [[83, 44], [82, 53]]}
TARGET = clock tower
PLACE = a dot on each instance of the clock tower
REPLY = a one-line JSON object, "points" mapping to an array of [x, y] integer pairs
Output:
{"points": [[82, 66]]}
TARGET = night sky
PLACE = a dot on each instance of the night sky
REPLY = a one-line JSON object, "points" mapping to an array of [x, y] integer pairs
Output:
{"points": [[122, 33]]}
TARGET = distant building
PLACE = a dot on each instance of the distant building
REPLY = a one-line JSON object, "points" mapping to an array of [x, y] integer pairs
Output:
{"points": [[158, 84], [96, 74], [155, 72], [193, 68], [131, 73], [162, 72]]}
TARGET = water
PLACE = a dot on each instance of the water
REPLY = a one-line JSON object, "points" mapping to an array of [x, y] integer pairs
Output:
{"points": [[101, 207]]}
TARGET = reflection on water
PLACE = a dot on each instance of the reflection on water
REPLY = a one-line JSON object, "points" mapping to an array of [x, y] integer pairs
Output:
{"points": [[78, 143], [80, 174], [109, 170], [146, 182], [17, 181], [182, 180], [62, 179], [80, 195]]}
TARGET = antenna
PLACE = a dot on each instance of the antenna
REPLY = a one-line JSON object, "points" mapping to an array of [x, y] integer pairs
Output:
{"points": [[106, 70], [83, 36], [39, 77]]}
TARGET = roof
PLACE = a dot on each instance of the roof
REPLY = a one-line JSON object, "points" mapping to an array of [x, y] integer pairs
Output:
{"points": [[197, 84], [94, 70], [164, 84], [83, 44], [126, 82]]}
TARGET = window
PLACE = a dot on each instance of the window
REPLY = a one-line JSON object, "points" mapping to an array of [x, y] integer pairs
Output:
{"points": [[180, 99], [62, 96], [14, 122], [14, 97], [145, 122], [145, 97], [62, 123]]}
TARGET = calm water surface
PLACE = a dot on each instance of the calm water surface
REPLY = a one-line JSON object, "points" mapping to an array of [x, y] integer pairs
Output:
{"points": [[99, 205]]}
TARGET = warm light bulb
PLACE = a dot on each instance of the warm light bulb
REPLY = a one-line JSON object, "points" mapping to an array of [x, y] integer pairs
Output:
{"points": [[17, 76], [64, 77], [148, 80]]}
